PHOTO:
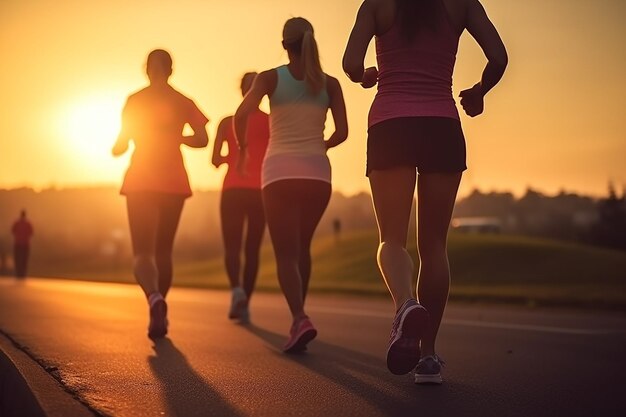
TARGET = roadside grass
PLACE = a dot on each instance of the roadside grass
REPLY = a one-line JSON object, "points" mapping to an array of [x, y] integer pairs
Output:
{"points": [[485, 268]]}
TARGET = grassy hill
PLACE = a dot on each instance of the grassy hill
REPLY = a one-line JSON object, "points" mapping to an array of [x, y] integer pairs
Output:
{"points": [[496, 268]]}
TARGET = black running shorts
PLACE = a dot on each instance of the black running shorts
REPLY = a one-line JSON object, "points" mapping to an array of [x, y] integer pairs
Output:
{"points": [[430, 144]]}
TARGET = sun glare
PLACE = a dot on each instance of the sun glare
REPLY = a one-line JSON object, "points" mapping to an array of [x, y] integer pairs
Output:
{"points": [[90, 127]]}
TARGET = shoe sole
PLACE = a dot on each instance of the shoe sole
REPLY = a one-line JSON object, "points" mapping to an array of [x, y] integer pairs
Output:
{"points": [[404, 351], [428, 379], [300, 344], [158, 320]]}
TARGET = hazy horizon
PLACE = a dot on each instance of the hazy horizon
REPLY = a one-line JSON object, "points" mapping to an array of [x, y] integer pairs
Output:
{"points": [[621, 191]]}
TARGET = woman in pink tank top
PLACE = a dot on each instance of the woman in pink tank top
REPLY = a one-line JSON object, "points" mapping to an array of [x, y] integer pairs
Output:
{"points": [[242, 203], [414, 128]]}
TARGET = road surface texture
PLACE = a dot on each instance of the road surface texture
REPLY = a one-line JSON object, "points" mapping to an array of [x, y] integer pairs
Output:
{"points": [[500, 361]]}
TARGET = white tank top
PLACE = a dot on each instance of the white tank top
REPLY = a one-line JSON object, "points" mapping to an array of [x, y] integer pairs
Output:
{"points": [[296, 147]]}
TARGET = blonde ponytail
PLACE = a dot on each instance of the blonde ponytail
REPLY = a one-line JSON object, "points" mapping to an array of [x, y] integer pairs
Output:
{"points": [[313, 74], [298, 36]]}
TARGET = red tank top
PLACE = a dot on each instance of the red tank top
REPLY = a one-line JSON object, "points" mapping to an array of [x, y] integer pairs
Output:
{"points": [[415, 77], [22, 231], [155, 119], [257, 136]]}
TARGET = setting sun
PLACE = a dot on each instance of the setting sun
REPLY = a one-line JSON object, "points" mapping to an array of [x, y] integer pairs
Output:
{"points": [[90, 126]]}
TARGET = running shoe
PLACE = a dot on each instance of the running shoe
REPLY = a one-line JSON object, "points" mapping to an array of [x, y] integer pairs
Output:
{"points": [[301, 333], [408, 327], [428, 370], [158, 320], [238, 302], [244, 316]]}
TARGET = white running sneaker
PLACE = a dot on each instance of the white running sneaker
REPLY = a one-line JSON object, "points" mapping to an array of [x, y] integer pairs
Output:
{"points": [[244, 316], [238, 303], [158, 320], [428, 370]]}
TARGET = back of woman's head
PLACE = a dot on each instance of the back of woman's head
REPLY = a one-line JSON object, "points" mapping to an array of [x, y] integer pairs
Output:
{"points": [[298, 38], [416, 15]]}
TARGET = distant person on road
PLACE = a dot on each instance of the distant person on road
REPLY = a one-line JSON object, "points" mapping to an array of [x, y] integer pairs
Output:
{"points": [[414, 128], [296, 177], [3, 257], [156, 183], [242, 203], [337, 228], [22, 232]]}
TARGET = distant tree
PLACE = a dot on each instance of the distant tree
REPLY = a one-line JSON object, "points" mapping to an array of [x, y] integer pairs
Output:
{"points": [[610, 229], [493, 204]]}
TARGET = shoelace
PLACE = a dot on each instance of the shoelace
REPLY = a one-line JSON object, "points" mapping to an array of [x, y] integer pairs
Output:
{"points": [[440, 360], [420, 366], [436, 358]]}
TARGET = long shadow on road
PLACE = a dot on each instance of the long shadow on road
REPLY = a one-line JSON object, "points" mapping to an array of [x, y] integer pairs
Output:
{"points": [[186, 393], [357, 372], [367, 377]]}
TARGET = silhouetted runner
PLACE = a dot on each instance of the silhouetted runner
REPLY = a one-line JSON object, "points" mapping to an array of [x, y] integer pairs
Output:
{"points": [[296, 177], [22, 231], [414, 127], [156, 183], [242, 204]]}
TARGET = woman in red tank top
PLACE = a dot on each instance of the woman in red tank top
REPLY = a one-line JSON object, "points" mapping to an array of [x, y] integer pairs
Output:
{"points": [[414, 128], [242, 203]]}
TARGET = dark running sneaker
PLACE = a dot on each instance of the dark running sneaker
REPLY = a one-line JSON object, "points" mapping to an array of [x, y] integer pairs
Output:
{"points": [[428, 370], [301, 333], [404, 342], [158, 320]]}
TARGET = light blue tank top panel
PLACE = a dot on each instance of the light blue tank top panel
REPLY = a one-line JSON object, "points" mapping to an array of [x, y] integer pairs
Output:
{"points": [[289, 90], [297, 119]]}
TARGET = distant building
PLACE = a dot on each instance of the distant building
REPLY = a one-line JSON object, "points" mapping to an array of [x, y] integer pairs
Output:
{"points": [[477, 224], [585, 219]]}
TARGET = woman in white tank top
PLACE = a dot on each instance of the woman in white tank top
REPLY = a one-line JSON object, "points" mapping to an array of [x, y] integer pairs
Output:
{"points": [[296, 175]]}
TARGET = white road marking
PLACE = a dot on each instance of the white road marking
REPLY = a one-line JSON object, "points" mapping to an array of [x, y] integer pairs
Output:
{"points": [[472, 323], [527, 327]]}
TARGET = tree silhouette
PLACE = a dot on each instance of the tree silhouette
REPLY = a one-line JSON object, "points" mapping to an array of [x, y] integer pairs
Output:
{"points": [[610, 229]]}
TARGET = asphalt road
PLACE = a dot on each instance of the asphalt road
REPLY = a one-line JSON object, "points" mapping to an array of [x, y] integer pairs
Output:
{"points": [[501, 361]]}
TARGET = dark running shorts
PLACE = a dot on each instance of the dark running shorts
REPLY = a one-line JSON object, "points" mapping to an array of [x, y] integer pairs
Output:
{"points": [[431, 144]]}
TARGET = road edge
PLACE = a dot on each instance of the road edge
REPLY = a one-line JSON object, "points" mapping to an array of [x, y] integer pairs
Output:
{"points": [[27, 389]]}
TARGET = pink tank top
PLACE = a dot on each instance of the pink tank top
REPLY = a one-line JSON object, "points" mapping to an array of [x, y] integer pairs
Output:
{"points": [[257, 135], [415, 77]]}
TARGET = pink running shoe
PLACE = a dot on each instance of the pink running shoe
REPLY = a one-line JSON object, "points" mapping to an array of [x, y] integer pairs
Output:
{"points": [[301, 333], [158, 320]]}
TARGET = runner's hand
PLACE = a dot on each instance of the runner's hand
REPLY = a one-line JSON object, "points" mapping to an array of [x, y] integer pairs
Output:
{"points": [[472, 101], [120, 147], [370, 77]]}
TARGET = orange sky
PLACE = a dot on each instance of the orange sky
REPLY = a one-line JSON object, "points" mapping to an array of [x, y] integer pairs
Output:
{"points": [[556, 121]]}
